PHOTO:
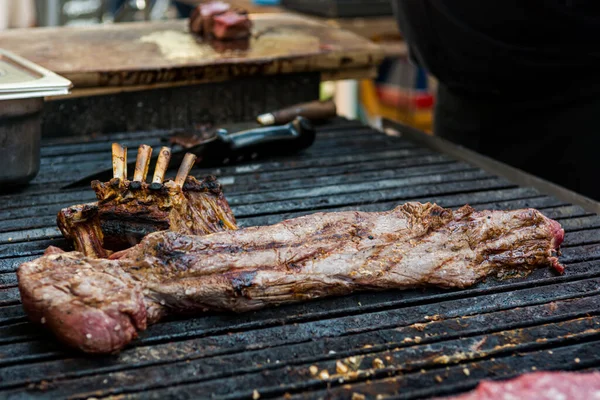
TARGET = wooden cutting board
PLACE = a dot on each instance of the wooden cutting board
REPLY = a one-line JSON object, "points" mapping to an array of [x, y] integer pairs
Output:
{"points": [[150, 53]]}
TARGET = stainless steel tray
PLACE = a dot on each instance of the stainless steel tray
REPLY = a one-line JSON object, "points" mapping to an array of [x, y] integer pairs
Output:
{"points": [[21, 79]]}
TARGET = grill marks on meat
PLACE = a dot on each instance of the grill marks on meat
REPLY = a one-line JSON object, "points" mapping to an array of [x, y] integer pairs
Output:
{"points": [[217, 20], [320, 255], [539, 386]]}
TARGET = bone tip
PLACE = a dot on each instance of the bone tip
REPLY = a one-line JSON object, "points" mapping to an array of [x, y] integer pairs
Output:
{"points": [[164, 156], [124, 163], [165, 151], [116, 147], [186, 166], [266, 119], [135, 185], [190, 156]]}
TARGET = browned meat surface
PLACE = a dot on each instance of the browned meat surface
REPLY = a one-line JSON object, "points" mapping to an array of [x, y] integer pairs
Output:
{"points": [[125, 213], [539, 386], [231, 25], [80, 225], [216, 19], [127, 210], [98, 305], [128, 214], [201, 18]]}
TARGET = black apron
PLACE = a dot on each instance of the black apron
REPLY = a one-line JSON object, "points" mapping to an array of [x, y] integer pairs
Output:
{"points": [[519, 81]]}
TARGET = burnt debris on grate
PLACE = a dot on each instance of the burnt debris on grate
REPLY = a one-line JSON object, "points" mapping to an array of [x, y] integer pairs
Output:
{"points": [[404, 344]]}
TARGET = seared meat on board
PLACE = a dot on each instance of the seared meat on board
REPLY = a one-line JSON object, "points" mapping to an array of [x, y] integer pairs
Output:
{"points": [[126, 211], [99, 305], [216, 19]]}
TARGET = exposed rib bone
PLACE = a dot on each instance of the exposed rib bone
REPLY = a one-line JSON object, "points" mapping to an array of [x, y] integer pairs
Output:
{"points": [[124, 163], [184, 169], [161, 165], [142, 162], [119, 161]]}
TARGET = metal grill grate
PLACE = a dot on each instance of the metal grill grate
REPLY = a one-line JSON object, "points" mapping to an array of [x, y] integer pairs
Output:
{"points": [[427, 342]]}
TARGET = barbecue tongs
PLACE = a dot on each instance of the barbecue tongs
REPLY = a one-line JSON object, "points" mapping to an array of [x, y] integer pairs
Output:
{"points": [[221, 147]]}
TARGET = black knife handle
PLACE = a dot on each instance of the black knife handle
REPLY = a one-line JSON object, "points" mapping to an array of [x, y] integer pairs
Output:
{"points": [[296, 135]]}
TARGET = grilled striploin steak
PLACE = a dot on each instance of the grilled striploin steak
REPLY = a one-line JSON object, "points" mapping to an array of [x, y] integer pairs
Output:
{"points": [[99, 305], [126, 211], [539, 386]]}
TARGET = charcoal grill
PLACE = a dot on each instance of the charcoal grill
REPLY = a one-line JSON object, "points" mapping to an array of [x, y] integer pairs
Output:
{"points": [[398, 344]]}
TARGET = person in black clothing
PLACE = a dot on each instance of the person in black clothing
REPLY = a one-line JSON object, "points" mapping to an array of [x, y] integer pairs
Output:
{"points": [[519, 80]]}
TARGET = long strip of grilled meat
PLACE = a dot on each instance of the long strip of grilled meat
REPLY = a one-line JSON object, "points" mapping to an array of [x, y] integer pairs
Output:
{"points": [[126, 211], [99, 305]]}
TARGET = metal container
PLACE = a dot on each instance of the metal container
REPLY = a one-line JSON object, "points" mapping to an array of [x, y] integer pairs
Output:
{"points": [[23, 86]]}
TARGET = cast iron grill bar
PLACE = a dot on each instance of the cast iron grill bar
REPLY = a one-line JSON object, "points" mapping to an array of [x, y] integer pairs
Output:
{"points": [[349, 167], [389, 335]]}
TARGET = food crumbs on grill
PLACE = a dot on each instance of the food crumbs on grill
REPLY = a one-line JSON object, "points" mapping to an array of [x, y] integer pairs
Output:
{"points": [[359, 304], [550, 352], [287, 396], [341, 368], [423, 371], [10, 239], [324, 374], [42, 386], [255, 395], [466, 371], [353, 362], [378, 363], [534, 368], [314, 370], [379, 397], [433, 317], [367, 346], [439, 379], [358, 396], [331, 352], [419, 326], [577, 360], [417, 339]]}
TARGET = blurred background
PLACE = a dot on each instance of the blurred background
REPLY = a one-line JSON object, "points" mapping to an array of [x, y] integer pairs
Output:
{"points": [[401, 91]]}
